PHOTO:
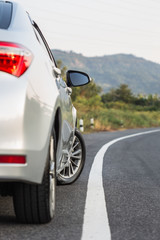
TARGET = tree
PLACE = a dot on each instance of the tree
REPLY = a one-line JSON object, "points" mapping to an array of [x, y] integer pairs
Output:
{"points": [[122, 93], [87, 91]]}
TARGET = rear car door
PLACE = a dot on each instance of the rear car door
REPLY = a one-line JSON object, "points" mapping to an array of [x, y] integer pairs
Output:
{"points": [[67, 119]]}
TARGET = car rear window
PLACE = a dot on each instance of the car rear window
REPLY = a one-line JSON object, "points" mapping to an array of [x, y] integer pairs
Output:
{"points": [[5, 14]]}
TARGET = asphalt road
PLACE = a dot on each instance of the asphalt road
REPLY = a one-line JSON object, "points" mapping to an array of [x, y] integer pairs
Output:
{"points": [[131, 181]]}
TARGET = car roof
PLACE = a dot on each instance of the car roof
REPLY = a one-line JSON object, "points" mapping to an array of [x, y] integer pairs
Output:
{"points": [[5, 14]]}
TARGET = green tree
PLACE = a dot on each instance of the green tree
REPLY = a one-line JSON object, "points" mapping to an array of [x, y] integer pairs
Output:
{"points": [[122, 93], [86, 91]]}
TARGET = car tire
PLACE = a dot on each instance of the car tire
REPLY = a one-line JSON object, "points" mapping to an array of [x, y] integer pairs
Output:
{"points": [[35, 203], [75, 160]]}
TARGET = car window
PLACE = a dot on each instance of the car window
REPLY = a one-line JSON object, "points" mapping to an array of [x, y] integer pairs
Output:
{"points": [[5, 14], [43, 42]]}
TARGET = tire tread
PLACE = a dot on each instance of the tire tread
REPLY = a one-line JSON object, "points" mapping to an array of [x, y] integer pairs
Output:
{"points": [[31, 201]]}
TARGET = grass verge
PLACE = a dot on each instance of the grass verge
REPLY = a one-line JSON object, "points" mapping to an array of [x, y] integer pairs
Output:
{"points": [[116, 119]]}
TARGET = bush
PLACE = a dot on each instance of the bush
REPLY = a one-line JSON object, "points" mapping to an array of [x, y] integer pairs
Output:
{"points": [[115, 119]]}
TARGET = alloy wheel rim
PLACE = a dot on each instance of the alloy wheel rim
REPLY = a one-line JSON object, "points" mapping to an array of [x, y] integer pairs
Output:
{"points": [[71, 160]]}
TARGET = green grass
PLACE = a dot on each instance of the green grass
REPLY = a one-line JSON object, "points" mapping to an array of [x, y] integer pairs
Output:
{"points": [[115, 119]]}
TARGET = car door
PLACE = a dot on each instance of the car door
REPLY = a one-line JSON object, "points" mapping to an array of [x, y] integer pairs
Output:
{"points": [[68, 124], [67, 121]]}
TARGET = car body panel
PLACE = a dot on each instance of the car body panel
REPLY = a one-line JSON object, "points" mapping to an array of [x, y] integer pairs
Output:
{"points": [[29, 104]]}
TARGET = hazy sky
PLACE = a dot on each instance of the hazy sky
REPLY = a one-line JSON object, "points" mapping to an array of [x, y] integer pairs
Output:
{"points": [[100, 27]]}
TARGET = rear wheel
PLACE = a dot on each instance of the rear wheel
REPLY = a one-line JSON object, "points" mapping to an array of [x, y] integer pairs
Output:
{"points": [[72, 161], [35, 203]]}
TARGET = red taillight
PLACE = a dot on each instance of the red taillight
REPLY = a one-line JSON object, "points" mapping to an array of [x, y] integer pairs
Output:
{"points": [[14, 58], [12, 159]]}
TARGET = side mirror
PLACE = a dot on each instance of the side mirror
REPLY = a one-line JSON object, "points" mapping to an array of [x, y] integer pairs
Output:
{"points": [[76, 78]]}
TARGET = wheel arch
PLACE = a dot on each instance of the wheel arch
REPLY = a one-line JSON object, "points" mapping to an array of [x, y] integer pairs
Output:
{"points": [[55, 131], [57, 125]]}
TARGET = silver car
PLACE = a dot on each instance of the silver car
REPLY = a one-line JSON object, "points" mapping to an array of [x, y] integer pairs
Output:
{"points": [[39, 142]]}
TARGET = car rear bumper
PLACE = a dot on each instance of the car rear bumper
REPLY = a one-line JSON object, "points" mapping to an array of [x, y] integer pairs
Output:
{"points": [[31, 171], [24, 130]]}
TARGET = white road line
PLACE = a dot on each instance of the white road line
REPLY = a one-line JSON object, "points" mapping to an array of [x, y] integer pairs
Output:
{"points": [[96, 223]]}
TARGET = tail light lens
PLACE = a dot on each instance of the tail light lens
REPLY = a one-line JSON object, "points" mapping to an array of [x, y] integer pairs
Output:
{"points": [[15, 59], [12, 159]]}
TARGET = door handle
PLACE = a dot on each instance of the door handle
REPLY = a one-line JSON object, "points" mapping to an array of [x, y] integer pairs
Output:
{"points": [[69, 90]]}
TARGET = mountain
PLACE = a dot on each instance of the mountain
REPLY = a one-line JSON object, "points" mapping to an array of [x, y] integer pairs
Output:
{"points": [[140, 75]]}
